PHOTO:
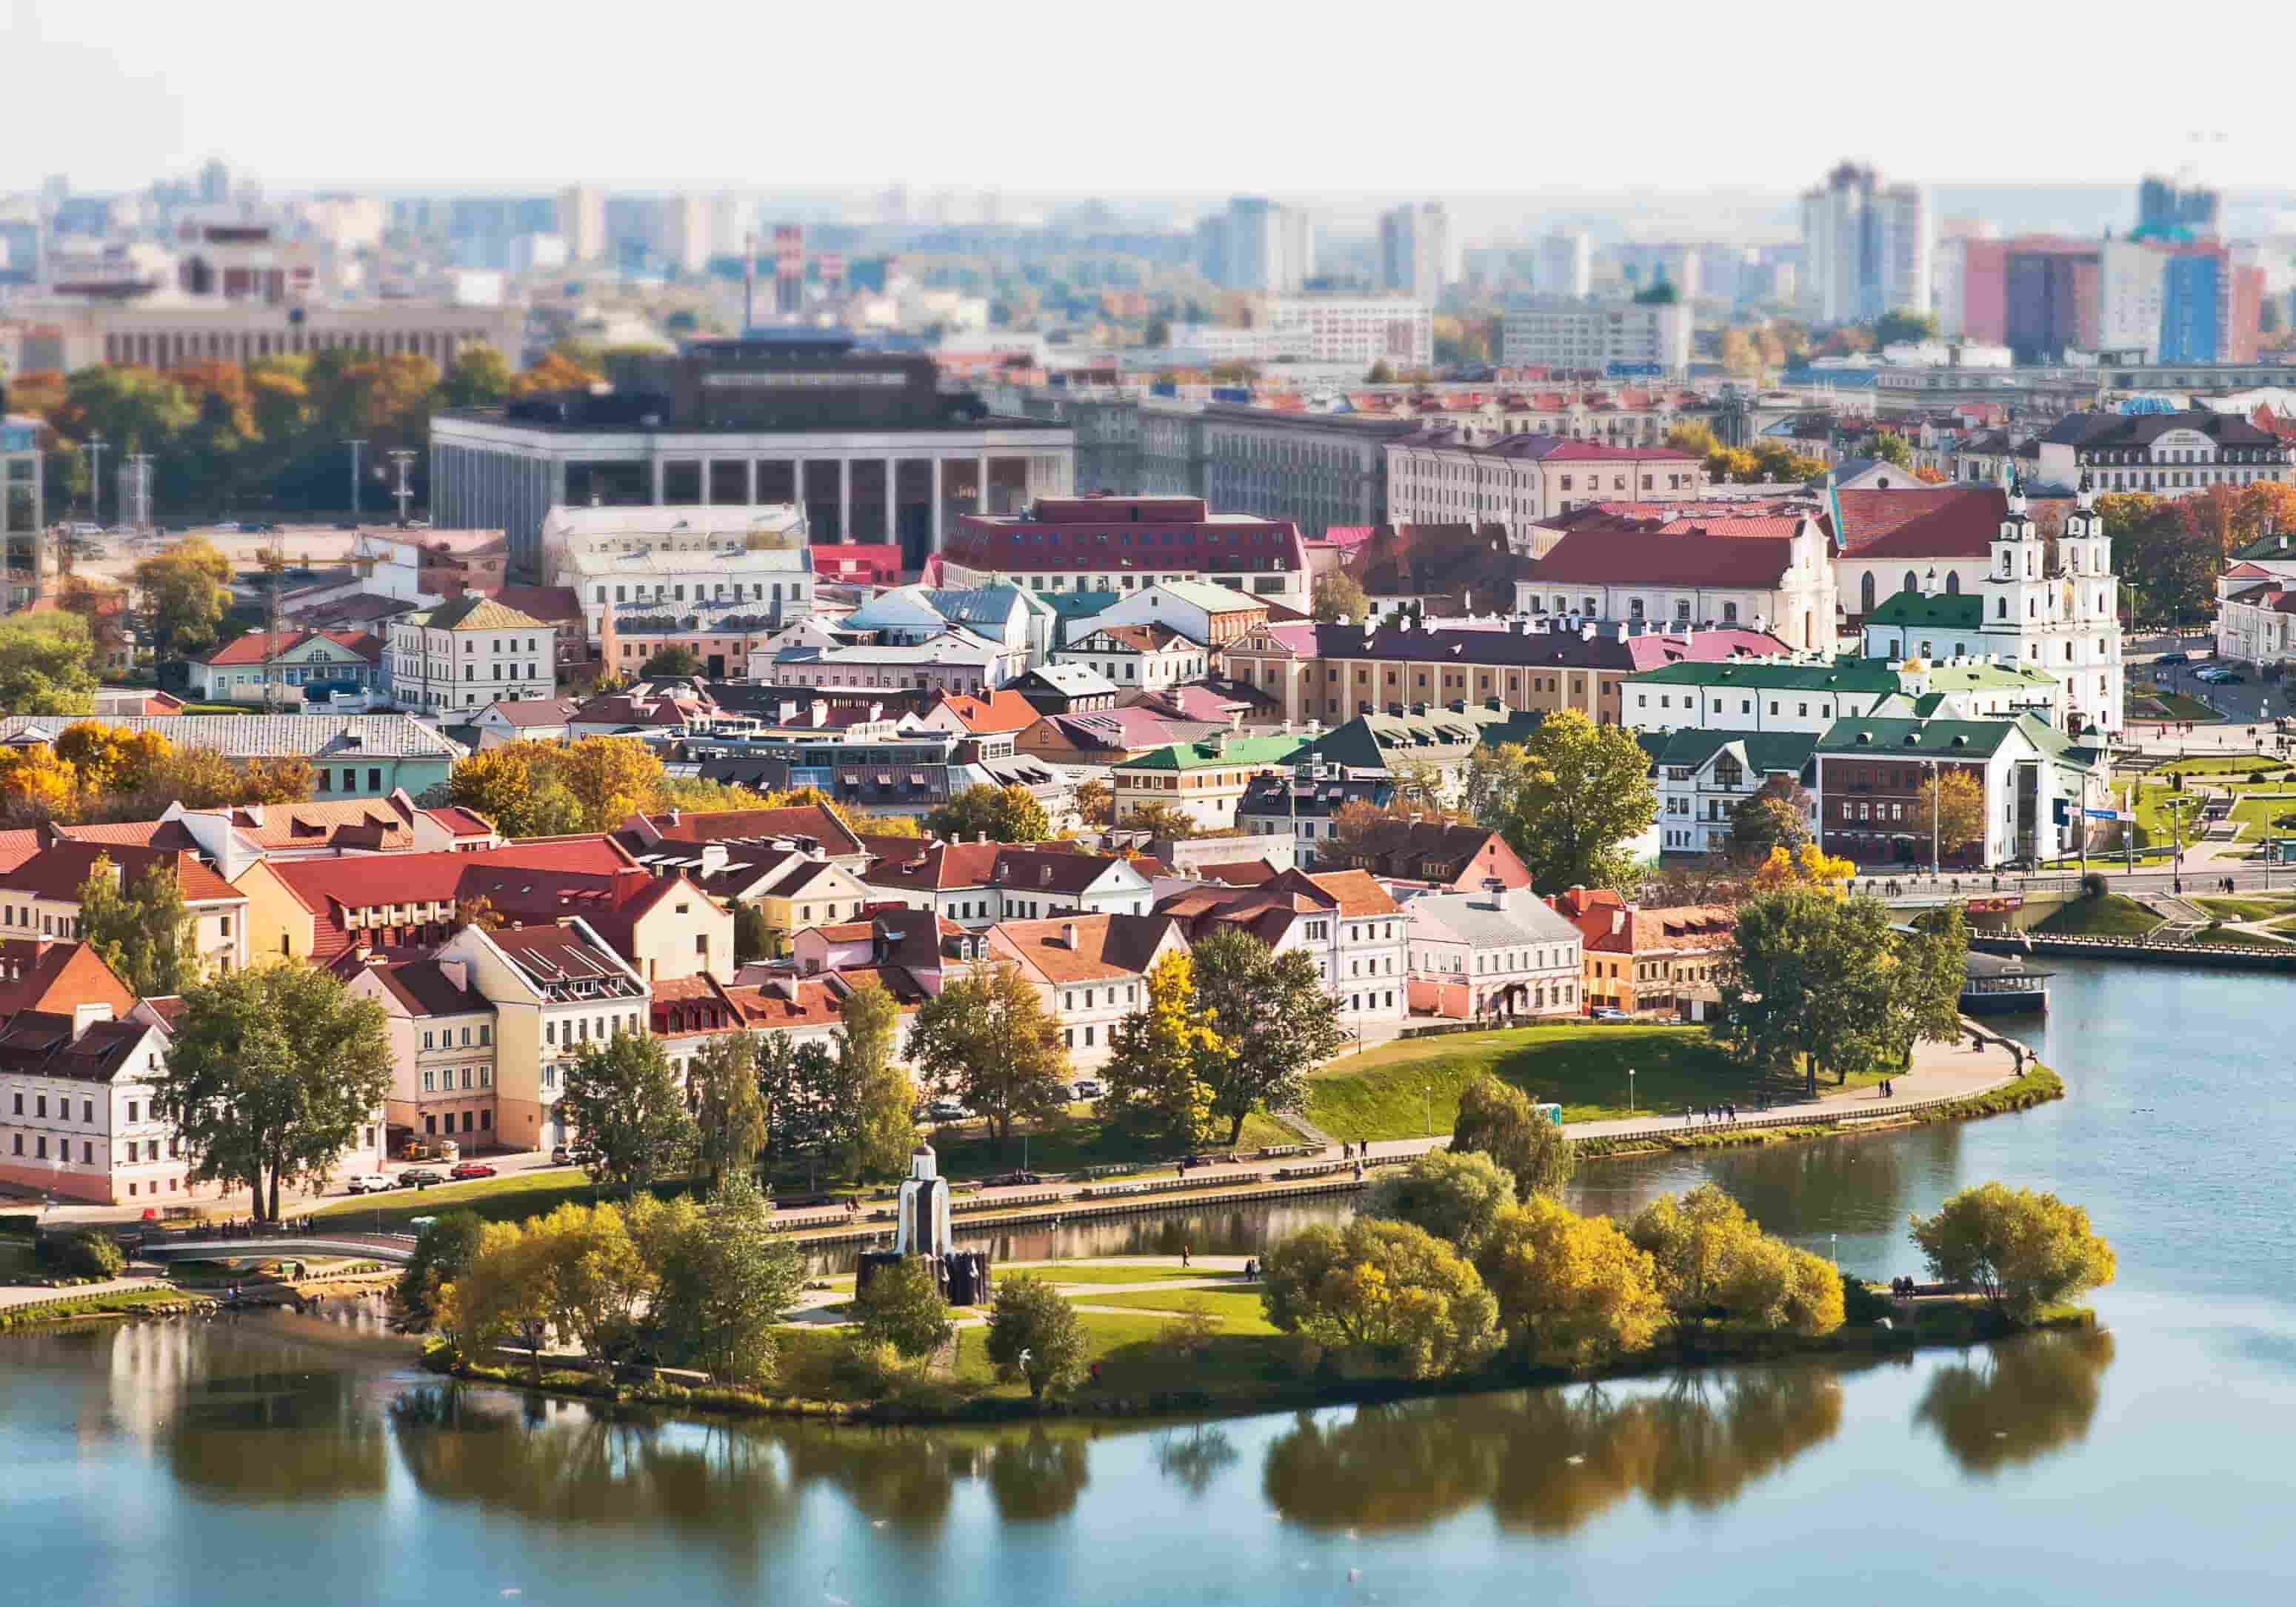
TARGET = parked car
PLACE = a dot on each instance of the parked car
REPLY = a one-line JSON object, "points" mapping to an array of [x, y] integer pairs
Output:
{"points": [[370, 1183], [1608, 1012], [949, 1109], [469, 1169], [2174, 658], [1014, 1179], [1088, 1089], [416, 1177], [572, 1155]]}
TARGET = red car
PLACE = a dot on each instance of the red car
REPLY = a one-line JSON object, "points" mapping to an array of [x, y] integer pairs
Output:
{"points": [[469, 1169]]}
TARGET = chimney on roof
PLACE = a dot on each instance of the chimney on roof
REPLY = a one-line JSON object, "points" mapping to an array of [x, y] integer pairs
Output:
{"points": [[1068, 936], [714, 858], [673, 818], [1617, 921]]}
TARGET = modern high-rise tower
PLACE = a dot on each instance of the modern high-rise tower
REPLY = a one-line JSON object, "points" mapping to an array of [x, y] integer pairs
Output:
{"points": [[1867, 246], [1415, 251]]}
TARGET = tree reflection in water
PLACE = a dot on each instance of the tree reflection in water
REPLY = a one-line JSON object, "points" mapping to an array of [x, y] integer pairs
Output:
{"points": [[2026, 1397], [586, 1464], [1193, 1457], [1548, 1460], [276, 1436]]}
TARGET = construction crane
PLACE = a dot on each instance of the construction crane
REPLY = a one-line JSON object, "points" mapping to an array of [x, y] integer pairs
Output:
{"points": [[275, 565]]}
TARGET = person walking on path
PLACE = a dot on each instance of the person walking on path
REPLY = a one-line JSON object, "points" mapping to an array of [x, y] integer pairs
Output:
{"points": [[1183, 1255]]}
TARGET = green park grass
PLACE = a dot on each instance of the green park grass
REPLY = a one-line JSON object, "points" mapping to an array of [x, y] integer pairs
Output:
{"points": [[2114, 916], [1410, 1088], [2259, 816], [2221, 765], [2247, 909], [2225, 936], [2176, 706], [1065, 1273], [1237, 1310]]}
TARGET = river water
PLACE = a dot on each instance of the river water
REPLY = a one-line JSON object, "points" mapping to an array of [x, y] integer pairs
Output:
{"points": [[275, 1460]]}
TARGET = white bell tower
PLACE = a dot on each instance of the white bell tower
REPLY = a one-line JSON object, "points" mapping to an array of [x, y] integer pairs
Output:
{"points": [[2018, 595]]}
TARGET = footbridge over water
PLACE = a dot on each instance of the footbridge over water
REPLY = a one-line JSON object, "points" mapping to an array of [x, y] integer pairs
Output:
{"points": [[396, 1248]]}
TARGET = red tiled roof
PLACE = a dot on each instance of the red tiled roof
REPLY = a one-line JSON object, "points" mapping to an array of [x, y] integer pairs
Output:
{"points": [[1239, 872], [18, 846], [261, 647], [38, 974], [1001, 711], [1929, 521], [1585, 557], [60, 869], [329, 888], [1612, 925], [1080, 948], [944, 866], [798, 820], [551, 604], [1157, 541]]}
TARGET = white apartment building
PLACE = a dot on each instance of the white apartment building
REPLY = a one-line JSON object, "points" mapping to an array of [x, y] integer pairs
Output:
{"points": [[1548, 334], [470, 653], [751, 555], [1394, 330], [1091, 971], [1345, 921], [1703, 775], [1148, 657], [978, 884], [1507, 952], [1415, 251], [1564, 263]]}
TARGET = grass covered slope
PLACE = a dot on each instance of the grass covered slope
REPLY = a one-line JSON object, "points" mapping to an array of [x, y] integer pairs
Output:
{"points": [[1410, 1087], [2113, 915]]}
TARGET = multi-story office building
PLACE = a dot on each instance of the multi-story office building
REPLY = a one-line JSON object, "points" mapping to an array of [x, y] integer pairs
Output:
{"points": [[31, 549], [1394, 330], [469, 652], [1451, 475], [1415, 251], [1554, 334], [752, 559], [861, 439], [1321, 469], [1867, 247], [2165, 204]]}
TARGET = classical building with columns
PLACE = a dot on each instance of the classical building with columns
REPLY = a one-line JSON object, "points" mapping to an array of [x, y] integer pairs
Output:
{"points": [[861, 440]]}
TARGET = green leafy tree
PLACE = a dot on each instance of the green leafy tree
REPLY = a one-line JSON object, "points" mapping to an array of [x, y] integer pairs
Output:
{"points": [[1276, 1021], [676, 659], [183, 596], [593, 1283], [1714, 1261], [1456, 1197], [1949, 809], [990, 1036], [1036, 1335], [144, 929], [1163, 822], [878, 1097], [477, 377], [1930, 972], [499, 1295], [800, 1084], [1004, 814], [1339, 596], [729, 1108], [1902, 325], [274, 1073], [1382, 1288], [1891, 447], [723, 1280], [1496, 1118], [1777, 816], [1810, 983], [903, 1307], [1569, 800], [47, 665], [754, 937], [623, 1098], [2022, 1250], [1569, 1289], [443, 1252], [1156, 1055]]}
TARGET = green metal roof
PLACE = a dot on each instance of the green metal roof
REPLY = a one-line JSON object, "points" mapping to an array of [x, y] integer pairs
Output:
{"points": [[1979, 678], [1948, 739], [1937, 612], [1771, 674], [1766, 752], [1376, 740], [1215, 753]]}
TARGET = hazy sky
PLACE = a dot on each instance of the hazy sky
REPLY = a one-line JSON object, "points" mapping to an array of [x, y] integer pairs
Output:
{"points": [[1532, 98]]}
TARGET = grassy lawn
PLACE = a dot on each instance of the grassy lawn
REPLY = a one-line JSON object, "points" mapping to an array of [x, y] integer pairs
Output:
{"points": [[16, 1260], [2114, 916], [2223, 936], [1409, 1087], [2176, 706], [1065, 1273], [1067, 1143], [2247, 909], [2262, 815], [1238, 1310], [2220, 765]]}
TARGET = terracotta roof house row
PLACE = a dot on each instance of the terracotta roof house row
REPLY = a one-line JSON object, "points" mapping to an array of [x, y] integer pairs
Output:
{"points": [[353, 755]]}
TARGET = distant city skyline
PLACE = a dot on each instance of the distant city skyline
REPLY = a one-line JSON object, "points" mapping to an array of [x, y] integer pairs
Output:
{"points": [[476, 98]]}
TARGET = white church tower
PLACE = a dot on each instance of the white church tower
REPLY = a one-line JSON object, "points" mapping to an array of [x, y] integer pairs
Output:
{"points": [[2062, 616]]}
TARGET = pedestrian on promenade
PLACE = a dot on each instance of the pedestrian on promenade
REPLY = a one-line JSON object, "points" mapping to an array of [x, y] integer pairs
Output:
{"points": [[1183, 1255]]}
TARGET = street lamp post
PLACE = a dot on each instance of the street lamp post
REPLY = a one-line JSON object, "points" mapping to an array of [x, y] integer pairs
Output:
{"points": [[1430, 1110], [1630, 1090]]}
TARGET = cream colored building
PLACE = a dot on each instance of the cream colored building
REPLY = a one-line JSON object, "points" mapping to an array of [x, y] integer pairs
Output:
{"points": [[470, 651], [752, 559]]}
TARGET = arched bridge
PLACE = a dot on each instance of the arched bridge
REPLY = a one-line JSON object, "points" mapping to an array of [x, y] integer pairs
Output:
{"points": [[398, 1247]]}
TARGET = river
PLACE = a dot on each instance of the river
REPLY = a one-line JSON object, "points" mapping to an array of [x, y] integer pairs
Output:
{"points": [[276, 1460]]}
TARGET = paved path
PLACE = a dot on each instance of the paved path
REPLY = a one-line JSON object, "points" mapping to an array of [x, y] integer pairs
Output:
{"points": [[13, 1295]]}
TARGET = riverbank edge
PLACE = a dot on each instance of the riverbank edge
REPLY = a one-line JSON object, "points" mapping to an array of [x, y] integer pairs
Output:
{"points": [[1866, 1339], [120, 1305], [2036, 1087]]}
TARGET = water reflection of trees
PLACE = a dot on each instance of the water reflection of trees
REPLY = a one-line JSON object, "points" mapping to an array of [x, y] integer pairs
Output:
{"points": [[1193, 1456], [2024, 1398], [581, 1464], [276, 1436], [1548, 1460]]}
